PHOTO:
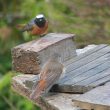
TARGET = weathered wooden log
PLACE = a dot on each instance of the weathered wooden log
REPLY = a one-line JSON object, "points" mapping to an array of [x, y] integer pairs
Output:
{"points": [[29, 57], [52, 101]]}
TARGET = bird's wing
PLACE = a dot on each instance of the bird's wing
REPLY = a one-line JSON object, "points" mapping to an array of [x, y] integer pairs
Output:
{"points": [[52, 79], [20, 26], [46, 83], [29, 26], [38, 90], [49, 68], [26, 27]]}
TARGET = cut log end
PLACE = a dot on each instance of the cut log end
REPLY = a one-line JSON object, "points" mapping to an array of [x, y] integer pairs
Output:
{"points": [[25, 61]]}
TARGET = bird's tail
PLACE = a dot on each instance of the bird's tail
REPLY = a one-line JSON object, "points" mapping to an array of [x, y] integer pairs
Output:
{"points": [[23, 27], [38, 89], [20, 26]]}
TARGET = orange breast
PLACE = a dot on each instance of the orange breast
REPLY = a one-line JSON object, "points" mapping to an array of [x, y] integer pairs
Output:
{"points": [[40, 31]]}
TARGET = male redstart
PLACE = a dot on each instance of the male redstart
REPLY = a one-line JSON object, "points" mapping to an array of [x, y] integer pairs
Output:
{"points": [[50, 73], [37, 26]]}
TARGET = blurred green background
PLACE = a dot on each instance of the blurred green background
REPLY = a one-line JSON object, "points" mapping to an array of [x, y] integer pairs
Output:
{"points": [[88, 19]]}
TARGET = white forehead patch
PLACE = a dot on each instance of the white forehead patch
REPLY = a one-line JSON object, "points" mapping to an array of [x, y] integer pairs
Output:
{"points": [[40, 16]]}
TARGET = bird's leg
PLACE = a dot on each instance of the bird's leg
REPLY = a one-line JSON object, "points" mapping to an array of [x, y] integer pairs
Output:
{"points": [[42, 35]]}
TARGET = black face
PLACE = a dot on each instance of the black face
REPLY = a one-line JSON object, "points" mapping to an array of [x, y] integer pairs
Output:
{"points": [[40, 22]]}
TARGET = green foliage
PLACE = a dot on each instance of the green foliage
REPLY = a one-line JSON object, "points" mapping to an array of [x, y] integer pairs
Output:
{"points": [[12, 100], [88, 19]]}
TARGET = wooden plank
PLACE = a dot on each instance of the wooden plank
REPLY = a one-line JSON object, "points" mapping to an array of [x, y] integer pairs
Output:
{"points": [[89, 52], [100, 81], [85, 68], [96, 99], [59, 88], [95, 78], [29, 57], [87, 59], [73, 81], [52, 101], [92, 72], [62, 101]]}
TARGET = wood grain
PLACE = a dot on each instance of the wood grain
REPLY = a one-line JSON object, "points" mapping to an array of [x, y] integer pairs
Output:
{"points": [[96, 99], [87, 53], [88, 58], [86, 67]]}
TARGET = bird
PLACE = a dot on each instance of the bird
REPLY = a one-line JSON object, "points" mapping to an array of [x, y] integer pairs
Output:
{"points": [[49, 75], [37, 26]]}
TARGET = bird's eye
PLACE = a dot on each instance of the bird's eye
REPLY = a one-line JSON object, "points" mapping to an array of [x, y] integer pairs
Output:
{"points": [[40, 22]]}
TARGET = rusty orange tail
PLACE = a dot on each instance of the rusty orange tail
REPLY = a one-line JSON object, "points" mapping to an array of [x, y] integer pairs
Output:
{"points": [[38, 89], [20, 26]]}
